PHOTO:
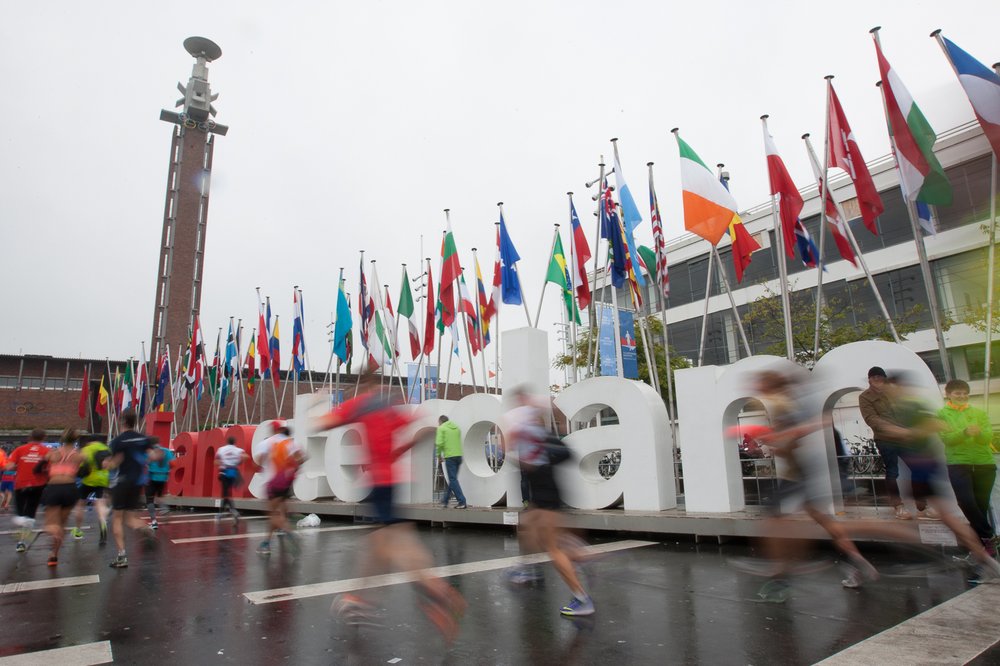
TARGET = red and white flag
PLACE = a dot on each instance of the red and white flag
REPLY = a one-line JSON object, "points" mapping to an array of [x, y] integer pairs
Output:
{"points": [[837, 225], [845, 154]]}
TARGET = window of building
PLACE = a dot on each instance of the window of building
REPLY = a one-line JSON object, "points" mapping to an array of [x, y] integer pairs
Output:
{"points": [[970, 184], [975, 359], [8, 382], [31, 382]]}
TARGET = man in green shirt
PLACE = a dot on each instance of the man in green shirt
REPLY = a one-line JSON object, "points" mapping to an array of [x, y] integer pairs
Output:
{"points": [[94, 483], [967, 441], [448, 444]]}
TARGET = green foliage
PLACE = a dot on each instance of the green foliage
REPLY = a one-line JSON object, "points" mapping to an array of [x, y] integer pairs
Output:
{"points": [[838, 324]]}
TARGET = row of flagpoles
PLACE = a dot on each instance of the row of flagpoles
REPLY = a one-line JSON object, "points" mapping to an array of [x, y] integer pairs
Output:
{"points": [[710, 211]]}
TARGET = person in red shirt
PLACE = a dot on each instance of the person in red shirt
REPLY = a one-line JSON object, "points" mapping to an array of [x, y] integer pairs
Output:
{"points": [[28, 484], [395, 546]]}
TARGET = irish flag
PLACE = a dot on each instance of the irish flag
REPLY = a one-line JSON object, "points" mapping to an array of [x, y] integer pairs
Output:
{"points": [[921, 175], [709, 208]]}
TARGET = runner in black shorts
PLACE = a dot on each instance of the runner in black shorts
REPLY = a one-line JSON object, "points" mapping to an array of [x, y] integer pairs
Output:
{"points": [[130, 452], [60, 494]]}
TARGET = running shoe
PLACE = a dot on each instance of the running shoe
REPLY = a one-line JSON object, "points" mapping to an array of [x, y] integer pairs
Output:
{"points": [[929, 514], [264, 548], [235, 514], [53, 561], [901, 513], [775, 591], [525, 575], [104, 533], [576, 607], [77, 533], [21, 547], [853, 579], [353, 610], [153, 525], [119, 562], [461, 506]]}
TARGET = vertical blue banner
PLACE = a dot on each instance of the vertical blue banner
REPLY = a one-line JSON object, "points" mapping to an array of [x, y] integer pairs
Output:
{"points": [[414, 385], [606, 342], [626, 331]]}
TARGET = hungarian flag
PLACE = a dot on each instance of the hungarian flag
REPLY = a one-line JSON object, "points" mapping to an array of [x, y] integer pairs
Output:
{"points": [[709, 208], [581, 255], [660, 262], [450, 270], [845, 154], [101, 406], [407, 310], [250, 366], [790, 205], [342, 328], [558, 274], [920, 173], [84, 395], [838, 227], [982, 86]]}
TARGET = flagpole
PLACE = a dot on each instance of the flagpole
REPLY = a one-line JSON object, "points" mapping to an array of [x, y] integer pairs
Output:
{"points": [[704, 316], [479, 330], [541, 299], [451, 355], [496, 341], [725, 281], [824, 188], [428, 287], [574, 272], [336, 387], [468, 342], [295, 373], [395, 370], [111, 399], [305, 350], [854, 244], [918, 238], [661, 299], [90, 411], [779, 235], [594, 326], [275, 373]]}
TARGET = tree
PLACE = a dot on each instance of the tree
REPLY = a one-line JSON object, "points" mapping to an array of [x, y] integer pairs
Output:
{"points": [[838, 326], [975, 314]]}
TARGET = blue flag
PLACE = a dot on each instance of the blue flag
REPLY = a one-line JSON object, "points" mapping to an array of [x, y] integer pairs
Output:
{"points": [[630, 213], [342, 330], [510, 284]]}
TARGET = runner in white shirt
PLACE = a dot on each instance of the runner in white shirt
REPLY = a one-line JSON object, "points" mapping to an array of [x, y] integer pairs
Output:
{"points": [[228, 459]]}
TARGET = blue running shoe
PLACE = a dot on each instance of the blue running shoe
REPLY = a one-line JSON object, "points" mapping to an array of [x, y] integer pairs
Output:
{"points": [[576, 608]]}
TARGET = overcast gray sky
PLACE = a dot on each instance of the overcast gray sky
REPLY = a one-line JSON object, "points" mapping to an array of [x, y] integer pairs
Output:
{"points": [[353, 124]]}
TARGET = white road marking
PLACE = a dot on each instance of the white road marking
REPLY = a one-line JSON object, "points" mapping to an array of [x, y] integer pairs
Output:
{"points": [[46, 583], [252, 535], [222, 517], [88, 654], [955, 632], [352, 584]]}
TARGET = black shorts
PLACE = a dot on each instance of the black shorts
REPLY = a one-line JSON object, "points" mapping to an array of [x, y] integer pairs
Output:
{"points": [[155, 489], [63, 495], [126, 497], [274, 492], [87, 491], [380, 499], [26, 500]]}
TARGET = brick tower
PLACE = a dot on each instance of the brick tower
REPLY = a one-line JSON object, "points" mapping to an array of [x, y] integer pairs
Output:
{"points": [[185, 214]]}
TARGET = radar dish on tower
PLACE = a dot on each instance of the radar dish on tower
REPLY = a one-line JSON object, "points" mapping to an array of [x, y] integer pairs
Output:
{"points": [[202, 47]]}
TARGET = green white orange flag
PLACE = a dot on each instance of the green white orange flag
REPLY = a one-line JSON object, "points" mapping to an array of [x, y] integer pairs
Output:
{"points": [[559, 274], [709, 208], [921, 174]]}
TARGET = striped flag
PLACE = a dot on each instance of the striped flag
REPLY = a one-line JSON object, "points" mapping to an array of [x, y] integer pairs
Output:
{"points": [[407, 310], [921, 175], [469, 307], [581, 254], [298, 337], [380, 351], [790, 205], [496, 296], [659, 245], [450, 270], [482, 304], [250, 365], [708, 206], [631, 218], [429, 319], [982, 86]]}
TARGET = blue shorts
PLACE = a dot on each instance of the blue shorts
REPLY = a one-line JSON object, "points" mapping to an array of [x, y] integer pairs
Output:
{"points": [[7, 486], [380, 500]]}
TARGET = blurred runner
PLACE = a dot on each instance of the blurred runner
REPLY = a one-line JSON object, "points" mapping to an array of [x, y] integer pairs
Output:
{"points": [[61, 494], [393, 547], [94, 483], [28, 484], [6, 481], [918, 452], [798, 482], [537, 452], [228, 460], [281, 457], [159, 474]]}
